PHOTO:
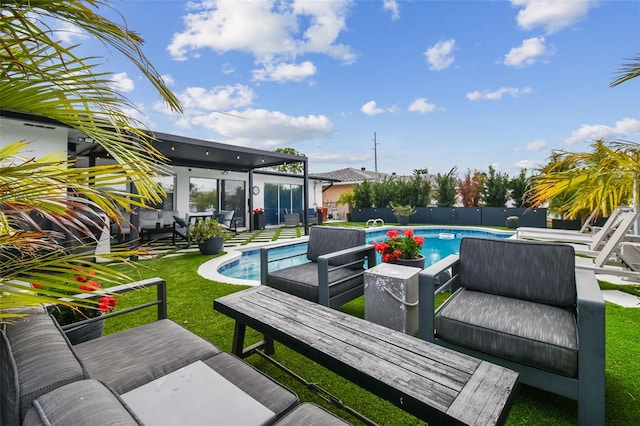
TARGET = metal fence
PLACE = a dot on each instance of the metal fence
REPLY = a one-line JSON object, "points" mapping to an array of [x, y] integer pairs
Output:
{"points": [[488, 216]]}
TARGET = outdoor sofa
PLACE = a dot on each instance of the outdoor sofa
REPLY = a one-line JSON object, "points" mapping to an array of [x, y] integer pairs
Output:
{"points": [[47, 381], [525, 306]]}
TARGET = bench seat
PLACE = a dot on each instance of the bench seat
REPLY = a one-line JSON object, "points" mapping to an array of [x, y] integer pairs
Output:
{"points": [[136, 356]]}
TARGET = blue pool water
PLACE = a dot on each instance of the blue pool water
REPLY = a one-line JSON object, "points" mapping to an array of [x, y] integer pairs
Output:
{"points": [[439, 243]]}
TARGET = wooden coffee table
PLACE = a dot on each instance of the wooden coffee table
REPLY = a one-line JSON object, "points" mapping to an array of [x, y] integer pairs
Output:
{"points": [[431, 382]]}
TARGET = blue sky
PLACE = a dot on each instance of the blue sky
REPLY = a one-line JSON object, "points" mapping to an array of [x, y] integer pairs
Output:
{"points": [[442, 83]]}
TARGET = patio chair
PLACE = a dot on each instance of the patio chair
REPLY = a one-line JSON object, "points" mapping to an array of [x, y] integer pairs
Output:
{"points": [[312, 217], [334, 274], [525, 306], [225, 217], [291, 220], [181, 230]]}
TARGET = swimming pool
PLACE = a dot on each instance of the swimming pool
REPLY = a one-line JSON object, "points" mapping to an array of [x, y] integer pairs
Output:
{"points": [[439, 243]]}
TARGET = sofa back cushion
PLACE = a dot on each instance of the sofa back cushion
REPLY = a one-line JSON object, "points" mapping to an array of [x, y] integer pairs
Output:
{"points": [[36, 358], [325, 240], [538, 272]]}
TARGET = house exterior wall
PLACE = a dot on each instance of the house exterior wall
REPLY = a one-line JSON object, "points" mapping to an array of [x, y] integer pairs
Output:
{"points": [[46, 139], [43, 139], [331, 194]]}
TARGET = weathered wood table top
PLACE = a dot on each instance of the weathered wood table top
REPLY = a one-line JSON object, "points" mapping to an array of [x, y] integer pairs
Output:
{"points": [[433, 383]]}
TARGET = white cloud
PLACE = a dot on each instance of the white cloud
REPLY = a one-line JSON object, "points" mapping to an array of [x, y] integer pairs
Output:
{"points": [[439, 56], [529, 164], [552, 15], [421, 105], [122, 83], [338, 158], [263, 129], [168, 80], [228, 69], [68, 33], [527, 53], [285, 72], [285, 29], [393, 7], [496, 95], [589, 133], [219, 98], [538, 145], [371, 108]]}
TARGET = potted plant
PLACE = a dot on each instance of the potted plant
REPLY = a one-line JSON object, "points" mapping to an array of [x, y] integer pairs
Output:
{"points": [[402, 213], [512, 222], [209, 234], [402, 247], [259, 221], [65, 314], [349, 199]]}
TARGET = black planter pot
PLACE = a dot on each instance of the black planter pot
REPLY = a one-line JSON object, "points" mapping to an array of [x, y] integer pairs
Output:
{"points": [[416, 263], [85, 332], [403, 220], [259, 221], [511, 223], [211, 246]]}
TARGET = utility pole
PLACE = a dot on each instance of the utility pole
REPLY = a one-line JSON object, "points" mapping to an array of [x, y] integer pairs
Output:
{"points": [[375, 151]]}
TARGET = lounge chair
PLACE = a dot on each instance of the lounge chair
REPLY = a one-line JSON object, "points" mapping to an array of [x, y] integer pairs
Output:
{"points": [[523, 305], [593, 242], [334, 274], [586, 228], [602, 264], [629, 254]]}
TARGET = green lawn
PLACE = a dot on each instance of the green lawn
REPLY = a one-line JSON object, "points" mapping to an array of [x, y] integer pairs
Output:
{"points": [[190, 303]]}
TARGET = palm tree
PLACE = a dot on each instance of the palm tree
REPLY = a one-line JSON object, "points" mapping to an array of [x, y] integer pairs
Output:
{"points": [[600, 180], [41, 76], [627, 72]]}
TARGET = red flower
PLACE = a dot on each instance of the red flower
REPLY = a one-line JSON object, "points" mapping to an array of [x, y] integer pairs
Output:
{"points": [[399, 245], [107, 303], [89, 285]]}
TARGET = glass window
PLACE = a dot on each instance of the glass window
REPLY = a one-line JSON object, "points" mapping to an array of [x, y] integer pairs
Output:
{"points": [[168, 183], [233, 198], [203, 194]]}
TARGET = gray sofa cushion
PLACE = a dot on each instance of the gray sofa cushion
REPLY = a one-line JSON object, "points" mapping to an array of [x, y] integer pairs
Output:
{"points": [[325, 240], [86, 402], [131, 358], [309, 414], [255, 384], [545, 273], [535, 334], [36, 358], [302, 281]]}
